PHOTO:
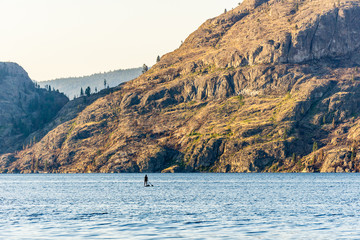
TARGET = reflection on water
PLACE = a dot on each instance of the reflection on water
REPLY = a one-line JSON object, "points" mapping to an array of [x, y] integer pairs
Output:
{"points": [[189, 206]]}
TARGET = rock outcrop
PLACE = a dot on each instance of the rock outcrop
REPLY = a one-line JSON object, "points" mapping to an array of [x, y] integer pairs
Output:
{"points": [[269, 86]]}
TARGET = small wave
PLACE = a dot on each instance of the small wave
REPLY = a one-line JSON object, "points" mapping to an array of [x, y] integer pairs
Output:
{"points": [[195, 222], [35, 215], [87, 215], [93, 214], [322, 229], [198, 222], [256, 232], [190, 214]]}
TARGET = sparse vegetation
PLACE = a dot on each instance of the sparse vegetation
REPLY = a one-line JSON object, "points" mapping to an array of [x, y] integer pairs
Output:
{"points": [[238, 107], [315, 147], [88, 91], [193, 133], [71, 86]]}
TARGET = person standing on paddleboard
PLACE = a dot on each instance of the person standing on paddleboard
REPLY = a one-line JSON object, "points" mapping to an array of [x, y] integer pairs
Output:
{"points": [[146, 181]]}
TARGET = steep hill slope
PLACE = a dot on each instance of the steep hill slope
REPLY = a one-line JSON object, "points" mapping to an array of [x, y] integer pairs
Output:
{"points": [[272, 85], [71, 86], [24, 108]]}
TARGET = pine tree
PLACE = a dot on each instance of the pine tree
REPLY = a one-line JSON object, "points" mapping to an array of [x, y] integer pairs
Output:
{"points": [[296, 7], [81, 92], [158, 59], [37, 165], [145, 68], [352, 158], [353, 151], [315, 147], [88, 91], [46, 166], [321, 155], [104, 83], [32, 163], [313, 160]]}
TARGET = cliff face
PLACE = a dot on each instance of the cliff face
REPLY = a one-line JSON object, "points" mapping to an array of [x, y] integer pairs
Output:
{"points": [[269, 86], [23, 107]]}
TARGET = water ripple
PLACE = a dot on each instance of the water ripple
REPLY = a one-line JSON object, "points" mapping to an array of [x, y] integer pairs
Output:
{"points": [[234, 206]]}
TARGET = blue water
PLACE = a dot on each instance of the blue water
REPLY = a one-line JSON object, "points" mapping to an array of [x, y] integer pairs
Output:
{"points": [[188, 206]]}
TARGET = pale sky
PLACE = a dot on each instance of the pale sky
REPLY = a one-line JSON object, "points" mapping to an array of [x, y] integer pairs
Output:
{"points": [[62, 38]]}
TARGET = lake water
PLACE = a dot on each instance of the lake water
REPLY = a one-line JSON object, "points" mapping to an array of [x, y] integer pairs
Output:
{"points": [[188, 206]]}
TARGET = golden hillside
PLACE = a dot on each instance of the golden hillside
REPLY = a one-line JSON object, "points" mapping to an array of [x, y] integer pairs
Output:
{"points": [[268, 86]]}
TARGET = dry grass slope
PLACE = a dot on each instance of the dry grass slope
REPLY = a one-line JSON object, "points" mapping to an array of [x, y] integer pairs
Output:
{"points": [[253, 90]]}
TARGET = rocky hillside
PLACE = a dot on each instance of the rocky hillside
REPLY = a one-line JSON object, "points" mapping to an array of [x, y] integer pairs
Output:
{"points": [[271, 86], [71, 86], [24, 108]]}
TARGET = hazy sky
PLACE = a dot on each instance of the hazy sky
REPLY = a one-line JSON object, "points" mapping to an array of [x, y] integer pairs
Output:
{"points": [[62, 38]]}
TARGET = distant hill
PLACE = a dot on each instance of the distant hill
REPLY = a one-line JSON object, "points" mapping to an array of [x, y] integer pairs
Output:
{"points": [[71, 86], [24, 107]]}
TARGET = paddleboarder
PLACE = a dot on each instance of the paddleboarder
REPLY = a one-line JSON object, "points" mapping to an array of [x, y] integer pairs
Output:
{"points": [[146, 181]]}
